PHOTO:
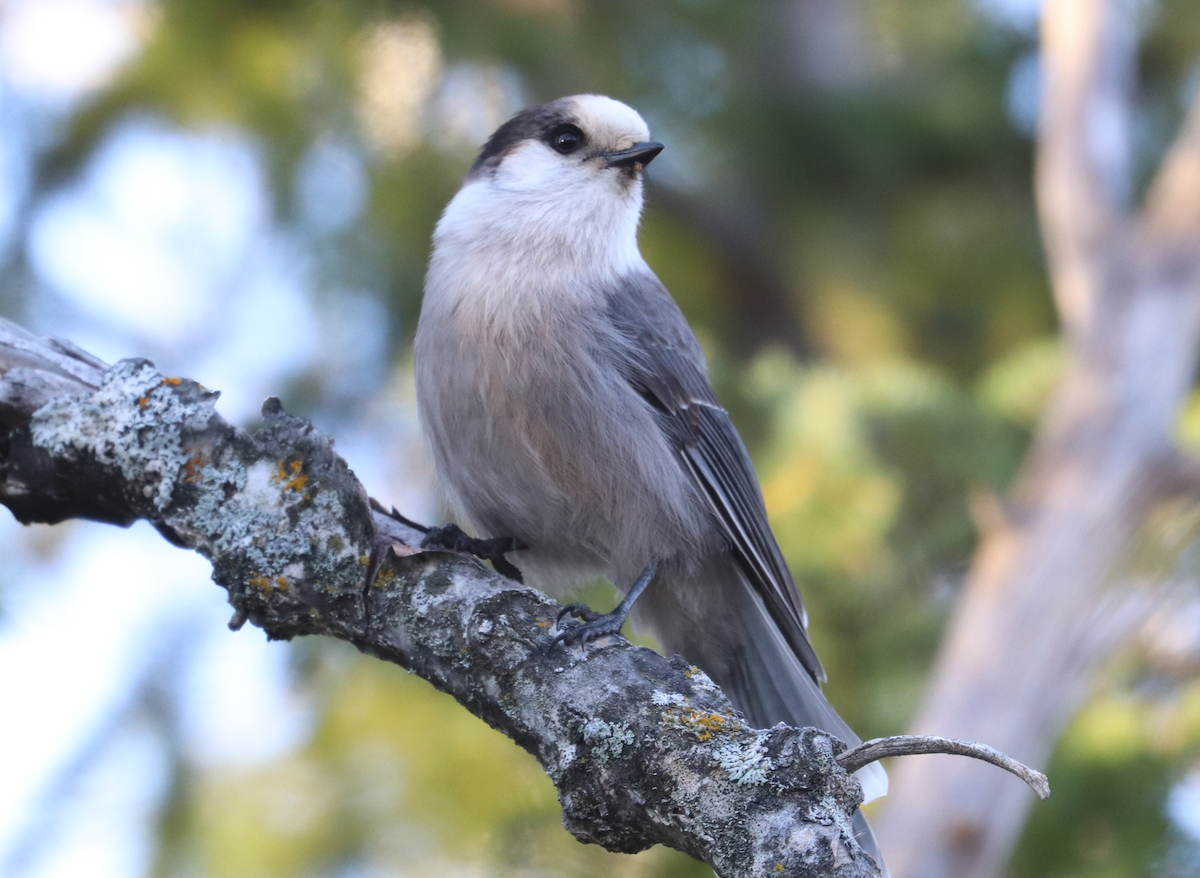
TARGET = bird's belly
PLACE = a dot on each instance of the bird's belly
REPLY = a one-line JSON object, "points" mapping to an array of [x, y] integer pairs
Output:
{"points": [[554, 448]]}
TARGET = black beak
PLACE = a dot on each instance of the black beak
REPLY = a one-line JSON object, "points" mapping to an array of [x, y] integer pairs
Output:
{"points": [[638, 155]]}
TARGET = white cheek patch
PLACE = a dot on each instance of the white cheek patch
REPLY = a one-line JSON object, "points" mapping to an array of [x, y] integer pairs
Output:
{"points": [[535, 166]]}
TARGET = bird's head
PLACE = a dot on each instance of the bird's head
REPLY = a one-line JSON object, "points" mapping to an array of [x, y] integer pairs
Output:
{"points": [[579, 141], [565, 175]]}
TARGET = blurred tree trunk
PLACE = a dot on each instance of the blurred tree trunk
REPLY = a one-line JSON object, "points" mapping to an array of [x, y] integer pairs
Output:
{"points": [[1036, 617]]}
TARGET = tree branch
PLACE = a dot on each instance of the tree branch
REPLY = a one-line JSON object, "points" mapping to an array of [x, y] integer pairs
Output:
{"points": [[913, 745], [642, 749], [1082, 167]]}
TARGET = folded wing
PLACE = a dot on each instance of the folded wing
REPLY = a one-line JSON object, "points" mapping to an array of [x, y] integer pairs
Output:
{"points": [[663, 362]]}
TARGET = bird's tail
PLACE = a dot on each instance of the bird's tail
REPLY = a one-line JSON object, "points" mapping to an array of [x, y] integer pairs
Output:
{"points": [[726, 631]]}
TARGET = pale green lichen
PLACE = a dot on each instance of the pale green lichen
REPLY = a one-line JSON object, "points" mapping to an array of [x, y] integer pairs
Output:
{"points": [[276, 526], [701, 681], [608, 740], [664, 698], [142, 438], [746, 764], [270, 517]]}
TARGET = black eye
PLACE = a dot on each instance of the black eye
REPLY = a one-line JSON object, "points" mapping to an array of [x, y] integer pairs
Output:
{"points": [[566, 139]]}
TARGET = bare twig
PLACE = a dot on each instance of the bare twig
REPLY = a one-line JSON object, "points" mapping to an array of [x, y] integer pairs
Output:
{"points": [[914, 745]]}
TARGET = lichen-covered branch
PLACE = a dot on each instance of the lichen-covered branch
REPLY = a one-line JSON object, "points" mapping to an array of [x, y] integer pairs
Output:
{"points": [[642, 749]]}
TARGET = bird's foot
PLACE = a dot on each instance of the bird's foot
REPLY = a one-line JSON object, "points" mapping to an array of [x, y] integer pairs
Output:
{"points": [[451, 537], [594, 625]]}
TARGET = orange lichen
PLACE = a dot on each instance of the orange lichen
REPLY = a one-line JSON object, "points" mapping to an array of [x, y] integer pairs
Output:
{"points": [[173, 382], [708, 722], [265, 583], [143, 401], [701, 723], [192, 468], [291, 473]]}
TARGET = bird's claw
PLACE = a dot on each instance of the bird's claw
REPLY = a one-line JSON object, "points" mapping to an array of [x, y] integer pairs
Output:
{"points": [[579, 611], [595, 625]]}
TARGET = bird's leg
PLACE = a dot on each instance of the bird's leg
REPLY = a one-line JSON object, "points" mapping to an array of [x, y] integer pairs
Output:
{"points": [[452, 538], [597, 624]]}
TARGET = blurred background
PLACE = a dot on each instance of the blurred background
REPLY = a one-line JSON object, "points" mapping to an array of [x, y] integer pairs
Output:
{"points": [[244, 192]]}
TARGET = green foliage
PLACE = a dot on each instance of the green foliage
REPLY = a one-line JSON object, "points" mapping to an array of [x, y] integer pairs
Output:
{"points": [[1112, 774]]}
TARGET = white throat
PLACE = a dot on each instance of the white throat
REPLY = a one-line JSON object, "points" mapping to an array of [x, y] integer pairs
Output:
{"points": [[563, 230]]}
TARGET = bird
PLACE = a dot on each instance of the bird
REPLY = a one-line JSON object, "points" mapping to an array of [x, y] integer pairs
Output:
{"points": [[567, 405]]}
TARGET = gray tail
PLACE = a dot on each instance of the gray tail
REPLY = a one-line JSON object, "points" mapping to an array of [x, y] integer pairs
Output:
{"points": [[725, 629]]}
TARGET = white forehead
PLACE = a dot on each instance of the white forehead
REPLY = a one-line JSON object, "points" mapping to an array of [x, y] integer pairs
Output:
{"points": [[604, 118]]}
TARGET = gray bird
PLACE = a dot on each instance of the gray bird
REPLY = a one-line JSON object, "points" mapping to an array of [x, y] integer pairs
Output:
{"points": [[567, 405]]}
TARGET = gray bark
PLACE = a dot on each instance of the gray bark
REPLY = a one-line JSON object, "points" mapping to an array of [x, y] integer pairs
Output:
{"points": [[642, 749]]}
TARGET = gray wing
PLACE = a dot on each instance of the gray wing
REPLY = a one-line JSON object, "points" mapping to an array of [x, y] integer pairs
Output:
{"points": [[662, 360]]}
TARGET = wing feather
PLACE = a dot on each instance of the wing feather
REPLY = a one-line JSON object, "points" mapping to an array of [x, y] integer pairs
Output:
{"points": [[662, 361]]}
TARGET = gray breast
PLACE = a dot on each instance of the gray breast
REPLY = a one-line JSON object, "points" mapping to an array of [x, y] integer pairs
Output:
{"points": [[537, 435]]}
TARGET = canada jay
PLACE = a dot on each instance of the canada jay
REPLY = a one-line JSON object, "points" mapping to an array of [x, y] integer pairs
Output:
{"points": [[567, 405]]}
